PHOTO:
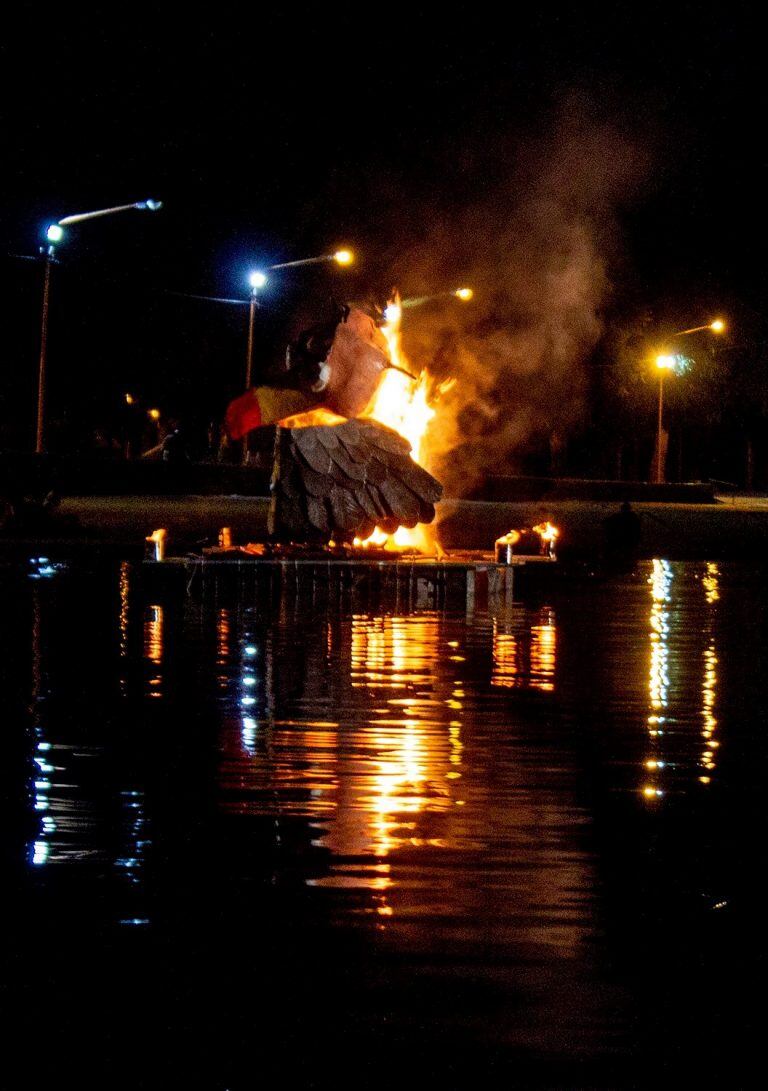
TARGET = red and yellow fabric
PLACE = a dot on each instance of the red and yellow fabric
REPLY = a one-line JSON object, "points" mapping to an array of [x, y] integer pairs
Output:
{"points": [[263, 405]]}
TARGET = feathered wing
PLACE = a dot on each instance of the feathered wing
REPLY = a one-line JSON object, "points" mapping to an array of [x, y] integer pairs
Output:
{"points": [[340, 481]]}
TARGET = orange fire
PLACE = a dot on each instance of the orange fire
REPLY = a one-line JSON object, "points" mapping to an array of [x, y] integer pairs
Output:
{"points": [[405, 405]]}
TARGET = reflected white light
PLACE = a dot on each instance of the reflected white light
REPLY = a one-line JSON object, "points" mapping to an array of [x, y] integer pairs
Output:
{"points": [[249, 733], [249, 680], [248, 701], [249, 649], [40, 852]]}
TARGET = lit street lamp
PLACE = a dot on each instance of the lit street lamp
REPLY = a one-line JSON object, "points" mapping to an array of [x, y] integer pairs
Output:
{"points": [[717, 326], [464, 294], [258, 279], [54, 234], [341, 257], [666, 362], [663, 363]]}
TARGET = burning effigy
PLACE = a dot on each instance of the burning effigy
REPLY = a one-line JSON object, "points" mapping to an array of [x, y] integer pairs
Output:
{"points": [[343, 423]]}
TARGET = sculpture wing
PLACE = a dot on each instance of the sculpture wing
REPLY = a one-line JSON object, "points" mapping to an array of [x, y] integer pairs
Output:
{"points": [[340, 481]]}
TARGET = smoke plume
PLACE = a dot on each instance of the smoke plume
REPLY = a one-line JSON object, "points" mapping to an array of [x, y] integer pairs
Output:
{"points": [[537, 241]]}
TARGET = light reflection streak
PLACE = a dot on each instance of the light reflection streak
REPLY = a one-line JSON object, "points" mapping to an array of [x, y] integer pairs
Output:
{"points": [[525, 657], [223, 635], [711, 584], [153, 645], [130, 864], [124, 586], [397, 789], [659, 683], [660, 582], [39, 849], [378, 785]]}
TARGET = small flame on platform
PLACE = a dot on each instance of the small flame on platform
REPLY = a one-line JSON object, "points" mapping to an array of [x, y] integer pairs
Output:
{"points": [[549, 535]]}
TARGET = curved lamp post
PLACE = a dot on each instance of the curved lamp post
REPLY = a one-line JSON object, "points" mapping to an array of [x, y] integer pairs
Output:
{"points": [[257, 280], [54, 235], [665, 363], [464, 294]]}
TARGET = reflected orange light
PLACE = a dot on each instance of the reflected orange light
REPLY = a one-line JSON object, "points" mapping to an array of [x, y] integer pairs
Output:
{"points": [[526, 658], [660, 582], [153, 645]]}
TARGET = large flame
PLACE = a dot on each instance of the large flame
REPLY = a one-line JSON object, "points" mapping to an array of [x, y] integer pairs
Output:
{"points": [[404, 404]]}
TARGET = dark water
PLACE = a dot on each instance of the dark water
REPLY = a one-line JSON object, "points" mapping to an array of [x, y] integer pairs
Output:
{"points": [[249, 840]]}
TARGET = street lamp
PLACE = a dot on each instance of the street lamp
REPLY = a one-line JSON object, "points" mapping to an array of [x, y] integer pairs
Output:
{"points": [[341, 257], [716, 326], [54, 234], [256, 280], [663, 363], [666, 362], [464, 294]]}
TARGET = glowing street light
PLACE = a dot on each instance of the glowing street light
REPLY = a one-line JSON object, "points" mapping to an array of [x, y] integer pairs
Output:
{"points": [[667, 362], [464, 294], [54, 234], [716, 326], [257, 280], [664, 362], [341, 257]]}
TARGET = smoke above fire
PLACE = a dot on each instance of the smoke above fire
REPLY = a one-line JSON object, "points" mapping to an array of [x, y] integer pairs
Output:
{"points": [[537, 238]]}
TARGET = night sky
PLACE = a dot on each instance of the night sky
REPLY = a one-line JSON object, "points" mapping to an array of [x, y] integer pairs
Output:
{"points": [[275, 137]]}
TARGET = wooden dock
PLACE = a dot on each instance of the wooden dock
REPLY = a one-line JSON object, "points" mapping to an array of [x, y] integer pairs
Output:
{"points": [[458, 582]]}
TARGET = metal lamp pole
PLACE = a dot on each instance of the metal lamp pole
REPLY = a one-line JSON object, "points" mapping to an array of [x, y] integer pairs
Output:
{"points": [[39, 446], [667, 363], [659, 461], [54, 234]]}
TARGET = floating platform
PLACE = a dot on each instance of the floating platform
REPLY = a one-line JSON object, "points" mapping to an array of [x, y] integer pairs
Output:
{"points": [[462, 582]]}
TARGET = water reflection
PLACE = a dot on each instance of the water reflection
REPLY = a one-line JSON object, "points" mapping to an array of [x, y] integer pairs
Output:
{"points": [[460, 792], [154, 624], [660, 581], [525, 650], [711, 585], [675, 629]]}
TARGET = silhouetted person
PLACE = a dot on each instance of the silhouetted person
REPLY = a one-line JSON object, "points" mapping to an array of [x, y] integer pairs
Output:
{"points": [[173, 449], [621, 538]]}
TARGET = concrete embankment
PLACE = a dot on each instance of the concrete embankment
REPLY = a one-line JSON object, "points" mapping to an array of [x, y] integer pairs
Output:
{"points": [[717, 531], [736, 528]]}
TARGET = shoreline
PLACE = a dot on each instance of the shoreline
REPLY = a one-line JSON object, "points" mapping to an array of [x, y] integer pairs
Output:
{"points": [[735, 527]]}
